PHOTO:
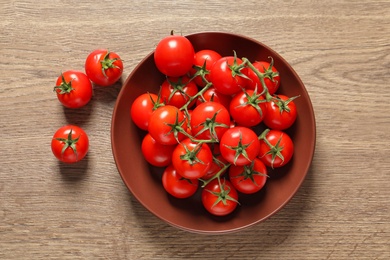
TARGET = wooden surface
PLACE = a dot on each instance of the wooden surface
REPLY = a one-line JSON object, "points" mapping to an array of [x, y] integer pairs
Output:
{"points": [[340, 49]]}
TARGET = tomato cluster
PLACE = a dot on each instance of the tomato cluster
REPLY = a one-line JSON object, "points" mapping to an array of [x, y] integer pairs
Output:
{"points": [[74, 90], [201, 125]]}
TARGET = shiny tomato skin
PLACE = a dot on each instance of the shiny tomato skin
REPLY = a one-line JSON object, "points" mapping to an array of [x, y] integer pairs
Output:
{"points": [[248, 179], [156, 154], [77, 89], [209, 121], [210, 199], [239, 138], [245, 114], [277, 118], [174, 56], [165, 122], [212, 94], [222, 78], [70, 155], [177, 91], [194, 168], [204, 61], [102, 60], [272, 82], [142, 109], [285, 146], [176, 185]]}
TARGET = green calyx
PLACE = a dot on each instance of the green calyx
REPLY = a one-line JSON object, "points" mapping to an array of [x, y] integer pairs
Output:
{"points": [[275, 150], [223, 195], [240, 149], [191, 155], [64, 87], [254, 100], [69, 142], [177, 87], [236, 68], [249, 173], [209, 125], [176, 128], [108, 63], [283, 105]]}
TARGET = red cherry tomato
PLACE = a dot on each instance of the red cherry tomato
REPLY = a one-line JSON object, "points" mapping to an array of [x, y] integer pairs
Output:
{"points": [[142, 109], [156, 154], [281, 112], [178, 91], [204, 61], [74, 89], [271, 77], [70, 144], [167, 124], [178, 186], [174, 56], [212, 94], [239, 145], [249, 178], [276, 148], [104, 68], [192, 160], [219, 198]]}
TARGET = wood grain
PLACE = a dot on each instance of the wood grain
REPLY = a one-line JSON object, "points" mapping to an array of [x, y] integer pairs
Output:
{"points": [[340, 49]]}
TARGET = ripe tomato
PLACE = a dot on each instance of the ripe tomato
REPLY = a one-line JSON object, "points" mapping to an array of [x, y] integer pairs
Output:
{"points": [[281, 112], [70, 144], [104, 68], [247, 108], [209, 121], [178, 186], [177, 91], [142, 109], [219, 197], [156, 154], [192, 160], [74, 89], [204, 61], [249, 178], [167, 124], [212, 94], [271, 77], [276, 148], [218, 162], [174, 56], [227, 76], [239, 145]]}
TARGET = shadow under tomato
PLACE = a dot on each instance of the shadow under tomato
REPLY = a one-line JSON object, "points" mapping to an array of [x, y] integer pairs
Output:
{"points": [[107, 94], [74, 171]]}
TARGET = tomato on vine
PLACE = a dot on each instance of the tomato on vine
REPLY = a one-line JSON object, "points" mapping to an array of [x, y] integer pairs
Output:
{"points": [[249, 178], [142, 109], [270, 75], [276, 148], [103, 67], [70, 144], [203, 62], [177, 185], [219, 197], [281, 112], [73, 89], [177, 91]]}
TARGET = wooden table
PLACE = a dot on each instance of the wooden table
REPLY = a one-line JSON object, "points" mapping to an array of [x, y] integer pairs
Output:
{"points": [[340, 49]]}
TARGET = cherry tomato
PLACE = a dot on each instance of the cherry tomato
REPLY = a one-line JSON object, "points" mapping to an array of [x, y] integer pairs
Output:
{"points": [[70, 144], [167, 124], [142, 109], [247, 108], [271, 77], [276, 148], [174, 56], [209, 121], [204, 61], [212, 94], [178, 186], [249, 178], [74, 89], [192, 160], [104, 68], [219, 197], [239, 145], [281, 112], [156, 154], [227, 76], [178, 91]]}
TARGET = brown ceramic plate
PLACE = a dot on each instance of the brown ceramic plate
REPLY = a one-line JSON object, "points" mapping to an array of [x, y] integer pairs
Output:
{"points": [[144, 181]]}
